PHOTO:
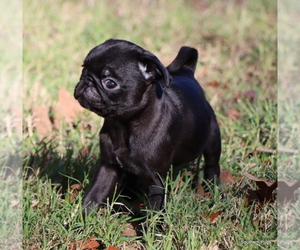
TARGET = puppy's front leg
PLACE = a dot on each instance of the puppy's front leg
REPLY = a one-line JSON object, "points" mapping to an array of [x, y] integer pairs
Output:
{"points": [[152, 180], [156, 193], [103, 185]]}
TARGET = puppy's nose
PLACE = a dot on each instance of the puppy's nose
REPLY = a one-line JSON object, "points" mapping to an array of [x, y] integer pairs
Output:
{"points": [[76, 94], [81, 87]]}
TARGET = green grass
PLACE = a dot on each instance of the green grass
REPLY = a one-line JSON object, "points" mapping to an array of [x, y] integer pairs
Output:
{"points": [[237, 46]]}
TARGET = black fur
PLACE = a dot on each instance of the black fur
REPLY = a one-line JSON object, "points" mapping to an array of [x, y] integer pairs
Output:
{"points": [[155, 117]]}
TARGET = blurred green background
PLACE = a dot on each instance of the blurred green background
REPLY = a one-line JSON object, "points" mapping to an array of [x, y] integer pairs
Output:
{"points": [[234, 38]]}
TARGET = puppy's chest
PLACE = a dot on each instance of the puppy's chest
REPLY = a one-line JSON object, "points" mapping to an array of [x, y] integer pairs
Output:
{"points": [[132, 152], [126, 147], [129, 147]]}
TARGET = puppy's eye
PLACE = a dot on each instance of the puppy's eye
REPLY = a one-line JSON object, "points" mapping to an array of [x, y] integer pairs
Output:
{"points": [[109, 84]]}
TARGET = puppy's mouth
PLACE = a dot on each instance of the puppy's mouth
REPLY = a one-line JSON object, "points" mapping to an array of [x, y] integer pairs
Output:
{"points": [[89, 98]]}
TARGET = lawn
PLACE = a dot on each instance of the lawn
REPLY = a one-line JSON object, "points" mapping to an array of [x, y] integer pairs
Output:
{"points": [[237, 68]]}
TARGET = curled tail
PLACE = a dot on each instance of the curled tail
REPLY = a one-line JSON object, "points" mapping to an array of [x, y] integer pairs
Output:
{"points": [[187, 58]]}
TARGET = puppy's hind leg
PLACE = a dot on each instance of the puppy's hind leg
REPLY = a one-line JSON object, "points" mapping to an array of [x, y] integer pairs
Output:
{"points": [[211, 155]]}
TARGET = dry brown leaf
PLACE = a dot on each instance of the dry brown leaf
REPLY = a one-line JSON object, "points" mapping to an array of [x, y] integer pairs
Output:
{"points": [[213, 83], [89, 244], [250, 95], [66, 109], [252, 196], [129, 231], [225, 176], [202, 192], [212, 216], [74, 191], [264, 193], [233, 114], [112, 248], [76, 187], [41, 121], [255, 223], [286, 191]]}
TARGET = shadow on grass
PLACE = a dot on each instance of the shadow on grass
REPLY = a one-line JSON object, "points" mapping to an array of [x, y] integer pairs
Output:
{"points": [[70, 166], [64, 166]]}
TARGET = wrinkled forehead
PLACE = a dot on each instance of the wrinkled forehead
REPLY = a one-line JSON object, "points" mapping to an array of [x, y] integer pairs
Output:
{"points": [[112, 53], [119, 63]]}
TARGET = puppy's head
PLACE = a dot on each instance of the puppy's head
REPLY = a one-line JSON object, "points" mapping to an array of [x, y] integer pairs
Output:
{"points": [[118, 79]]}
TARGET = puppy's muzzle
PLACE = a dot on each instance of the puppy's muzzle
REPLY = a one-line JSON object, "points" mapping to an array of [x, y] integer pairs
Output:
{"points": [[81, 88]]}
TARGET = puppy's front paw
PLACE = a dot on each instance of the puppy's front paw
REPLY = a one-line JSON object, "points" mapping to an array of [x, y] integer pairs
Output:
{"points": [[89, 206]]}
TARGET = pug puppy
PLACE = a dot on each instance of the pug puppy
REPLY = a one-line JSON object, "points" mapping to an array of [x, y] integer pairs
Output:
{"points": [[154, 117]]}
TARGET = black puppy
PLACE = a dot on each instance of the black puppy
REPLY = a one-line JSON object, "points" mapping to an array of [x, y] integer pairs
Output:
{"points": [[155, 117]]}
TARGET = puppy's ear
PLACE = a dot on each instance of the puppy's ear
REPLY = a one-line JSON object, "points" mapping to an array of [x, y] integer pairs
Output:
{"points": [[153, 70]]}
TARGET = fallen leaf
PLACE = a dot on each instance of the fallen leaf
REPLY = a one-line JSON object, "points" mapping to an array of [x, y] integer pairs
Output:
{"points": [[264, 193], [251, 196], [202, 192], [73, 192], [286, 191], [89, 244], [267, 161], [250, 95], [41, 121], [255, 223], [233, 114], [66, 109], [76, 187], [212, 216], [112, 248], [213, 83], [129, 231], [225, 176]]}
